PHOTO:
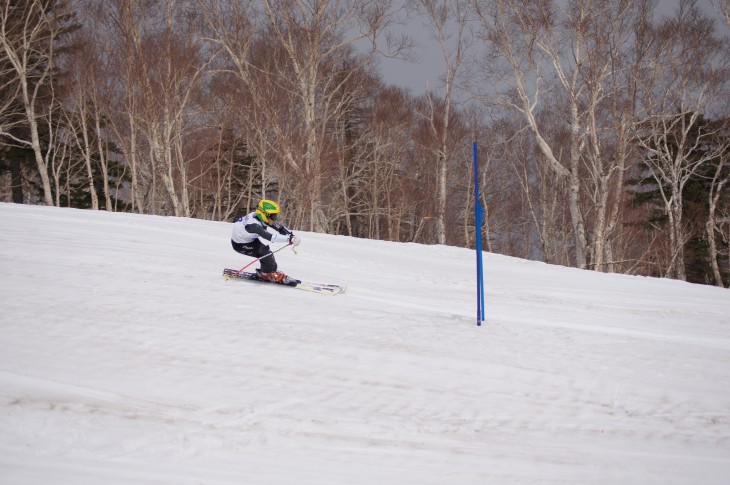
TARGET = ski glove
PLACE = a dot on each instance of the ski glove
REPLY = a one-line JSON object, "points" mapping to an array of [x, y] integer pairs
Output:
{"points": [[294, 240]]}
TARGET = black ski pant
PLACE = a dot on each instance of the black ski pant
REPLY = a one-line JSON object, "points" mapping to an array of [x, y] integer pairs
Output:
{"points": [[257, 249]]}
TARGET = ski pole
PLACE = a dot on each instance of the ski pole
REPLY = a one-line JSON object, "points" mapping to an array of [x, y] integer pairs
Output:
{"points": [[262, 257]]}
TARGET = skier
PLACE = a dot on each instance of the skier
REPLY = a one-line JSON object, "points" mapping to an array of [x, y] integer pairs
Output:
{"points": [[251, 228]]}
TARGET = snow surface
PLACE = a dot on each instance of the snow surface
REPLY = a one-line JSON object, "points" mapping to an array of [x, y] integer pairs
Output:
{"points": [[125, 358]]}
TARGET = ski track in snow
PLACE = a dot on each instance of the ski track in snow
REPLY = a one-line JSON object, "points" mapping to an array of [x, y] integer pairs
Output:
{"points": [[126, 358]]}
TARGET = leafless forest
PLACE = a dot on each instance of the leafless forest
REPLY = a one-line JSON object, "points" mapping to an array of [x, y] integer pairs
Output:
{"points": [[603, 125]]}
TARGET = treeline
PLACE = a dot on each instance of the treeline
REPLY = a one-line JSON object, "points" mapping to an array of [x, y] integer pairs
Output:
{"points": [[602, 124]]}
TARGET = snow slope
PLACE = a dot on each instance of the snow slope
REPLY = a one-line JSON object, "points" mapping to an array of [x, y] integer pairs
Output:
{"points": [[126, 359]]}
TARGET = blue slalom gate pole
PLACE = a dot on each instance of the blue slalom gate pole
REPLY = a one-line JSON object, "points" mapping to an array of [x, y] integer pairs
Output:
{"points": [[479, 216]]}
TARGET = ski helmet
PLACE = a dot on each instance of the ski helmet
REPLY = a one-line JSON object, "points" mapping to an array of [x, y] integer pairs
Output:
{"points": [[267, 210]]}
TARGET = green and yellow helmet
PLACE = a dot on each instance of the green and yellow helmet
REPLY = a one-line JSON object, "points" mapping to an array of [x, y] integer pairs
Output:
{"points": [[267, 211]]}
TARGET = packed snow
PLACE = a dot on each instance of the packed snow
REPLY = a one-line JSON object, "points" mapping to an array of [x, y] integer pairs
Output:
{"points": [[125, 358]]}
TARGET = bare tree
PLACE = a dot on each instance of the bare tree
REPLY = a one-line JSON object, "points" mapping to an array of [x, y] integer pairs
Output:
{"points": [[543, 205], [691, 72], [447, 22], [84, 104], [93, 84], [280, 124], [381, 195], [77, 123], [175, 69], [521, 34], [28, 33], [567, 59], [127, 25], [318, 37], [11, 119]]}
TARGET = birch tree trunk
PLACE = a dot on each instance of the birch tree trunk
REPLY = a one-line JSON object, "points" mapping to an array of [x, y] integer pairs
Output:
{"points": [[719, 180]]}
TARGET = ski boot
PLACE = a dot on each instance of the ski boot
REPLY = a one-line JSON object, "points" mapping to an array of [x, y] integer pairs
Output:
{"points": [[277, 277]]}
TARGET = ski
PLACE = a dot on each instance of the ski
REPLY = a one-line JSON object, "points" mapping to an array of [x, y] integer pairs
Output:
{"points": [[322, 288]]}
